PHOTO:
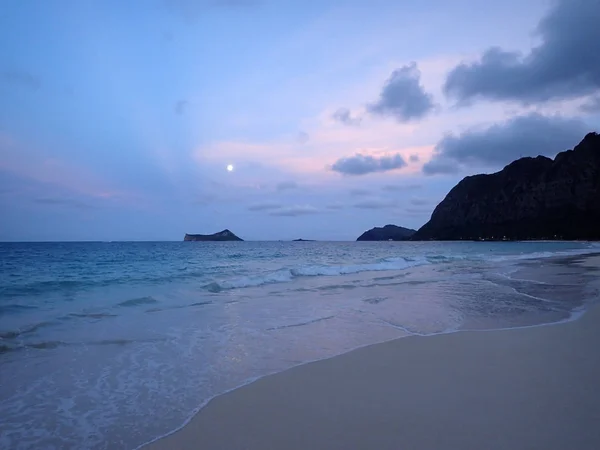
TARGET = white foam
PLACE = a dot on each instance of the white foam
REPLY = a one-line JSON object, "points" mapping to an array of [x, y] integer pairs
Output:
{"points": [[544, 255], [313, 270], [387, 264], [279, 276]]}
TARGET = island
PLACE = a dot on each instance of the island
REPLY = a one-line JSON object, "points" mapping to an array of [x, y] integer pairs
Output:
{"points": [[224, 235], [303, 240], [531, 198], [387, 233]]}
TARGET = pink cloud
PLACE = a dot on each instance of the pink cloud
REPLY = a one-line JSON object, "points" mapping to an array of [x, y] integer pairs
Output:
{"points": [[31, 163]]}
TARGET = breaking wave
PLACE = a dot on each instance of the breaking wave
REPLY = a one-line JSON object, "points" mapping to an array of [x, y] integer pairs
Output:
{"points": [[285, 275]]}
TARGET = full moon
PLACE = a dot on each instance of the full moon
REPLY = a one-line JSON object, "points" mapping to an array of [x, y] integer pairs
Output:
{"points": [[229, 168]]}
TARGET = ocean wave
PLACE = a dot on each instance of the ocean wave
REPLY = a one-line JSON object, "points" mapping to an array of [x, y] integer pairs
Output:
{"points": [[50, 345], [137, 302], [594, 248], [13, 334], [154, 310], [92, 315], [300, 324], [279, 276], [45, 345], [15, 308], [388, 264], [314, 270]]}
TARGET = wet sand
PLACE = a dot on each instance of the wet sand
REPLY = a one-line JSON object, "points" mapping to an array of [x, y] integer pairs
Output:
{"points": [[530, 388]]}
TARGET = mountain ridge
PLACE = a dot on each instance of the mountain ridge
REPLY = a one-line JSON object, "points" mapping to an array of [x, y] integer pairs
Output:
{"points": [[531, 198]]}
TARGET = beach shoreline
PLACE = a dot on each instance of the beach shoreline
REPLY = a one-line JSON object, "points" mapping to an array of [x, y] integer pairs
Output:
{"points": [[528, 387]]}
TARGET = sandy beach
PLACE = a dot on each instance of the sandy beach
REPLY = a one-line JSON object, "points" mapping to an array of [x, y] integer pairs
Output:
{"points": [[532, 388]]}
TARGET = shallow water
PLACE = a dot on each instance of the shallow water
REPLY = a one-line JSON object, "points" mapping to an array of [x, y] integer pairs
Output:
{"points": [[109, 345]]}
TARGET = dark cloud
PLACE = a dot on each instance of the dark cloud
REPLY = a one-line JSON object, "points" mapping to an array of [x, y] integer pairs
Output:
{"points": [[286, 185], [268, 206], [500, 144], [361, 164], [181, 106], [403, 97], [335, 207], [564, 65], [414, 158], [375, 203], [441, 166], [21, 79], [401, 187], [302, 137], [296, 210], [344, 115]]}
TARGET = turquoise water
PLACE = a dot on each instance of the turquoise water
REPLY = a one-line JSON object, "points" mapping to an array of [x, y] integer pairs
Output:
{"points": [[110, 345]]}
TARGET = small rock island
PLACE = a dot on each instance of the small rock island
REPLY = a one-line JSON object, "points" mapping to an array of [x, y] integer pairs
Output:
{"points": [[224, 235], [387, 233]]}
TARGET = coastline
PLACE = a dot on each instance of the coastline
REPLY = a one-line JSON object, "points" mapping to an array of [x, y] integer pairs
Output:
{"points": [[529, 387]]}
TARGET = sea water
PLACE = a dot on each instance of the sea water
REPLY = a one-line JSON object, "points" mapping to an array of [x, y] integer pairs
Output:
{"points": [[110, 345]]}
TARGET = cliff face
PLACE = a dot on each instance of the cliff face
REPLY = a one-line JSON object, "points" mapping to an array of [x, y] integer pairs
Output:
{"points": [[387, 233], [531, 198], [224, 235]]}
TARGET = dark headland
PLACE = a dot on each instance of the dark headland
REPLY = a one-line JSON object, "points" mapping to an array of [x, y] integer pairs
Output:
{"points": [[224, 235], [387, 233], [531, 198]]}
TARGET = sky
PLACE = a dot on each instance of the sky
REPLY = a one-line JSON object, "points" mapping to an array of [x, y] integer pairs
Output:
{"points": [[118, 119]]}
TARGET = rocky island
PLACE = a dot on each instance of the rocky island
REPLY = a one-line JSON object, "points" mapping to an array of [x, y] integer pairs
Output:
{"points": [[224, 235], [531, 198], [387, 233]]}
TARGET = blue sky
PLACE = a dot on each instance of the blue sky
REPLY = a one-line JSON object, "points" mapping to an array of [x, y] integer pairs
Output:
{"points": [[118, 119]]}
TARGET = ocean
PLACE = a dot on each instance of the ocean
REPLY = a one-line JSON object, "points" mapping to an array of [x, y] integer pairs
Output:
{"points": [[109, 345]]}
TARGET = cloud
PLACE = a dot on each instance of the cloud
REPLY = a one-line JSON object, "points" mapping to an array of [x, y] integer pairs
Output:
{"points": [[419, 201], [267, 206], [441, 166], [281, 209], [403, 97], [181, 106], [335, 207], [401, 187], [418, 211], [24, 161], [414, 158], [344, 115], [362, 164], [529, 135], [21, 79], [296, 210], [286, 185], [302, 137], [592, 106], [359, 192], [565, 65], [375, 203], [49, 201]]}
